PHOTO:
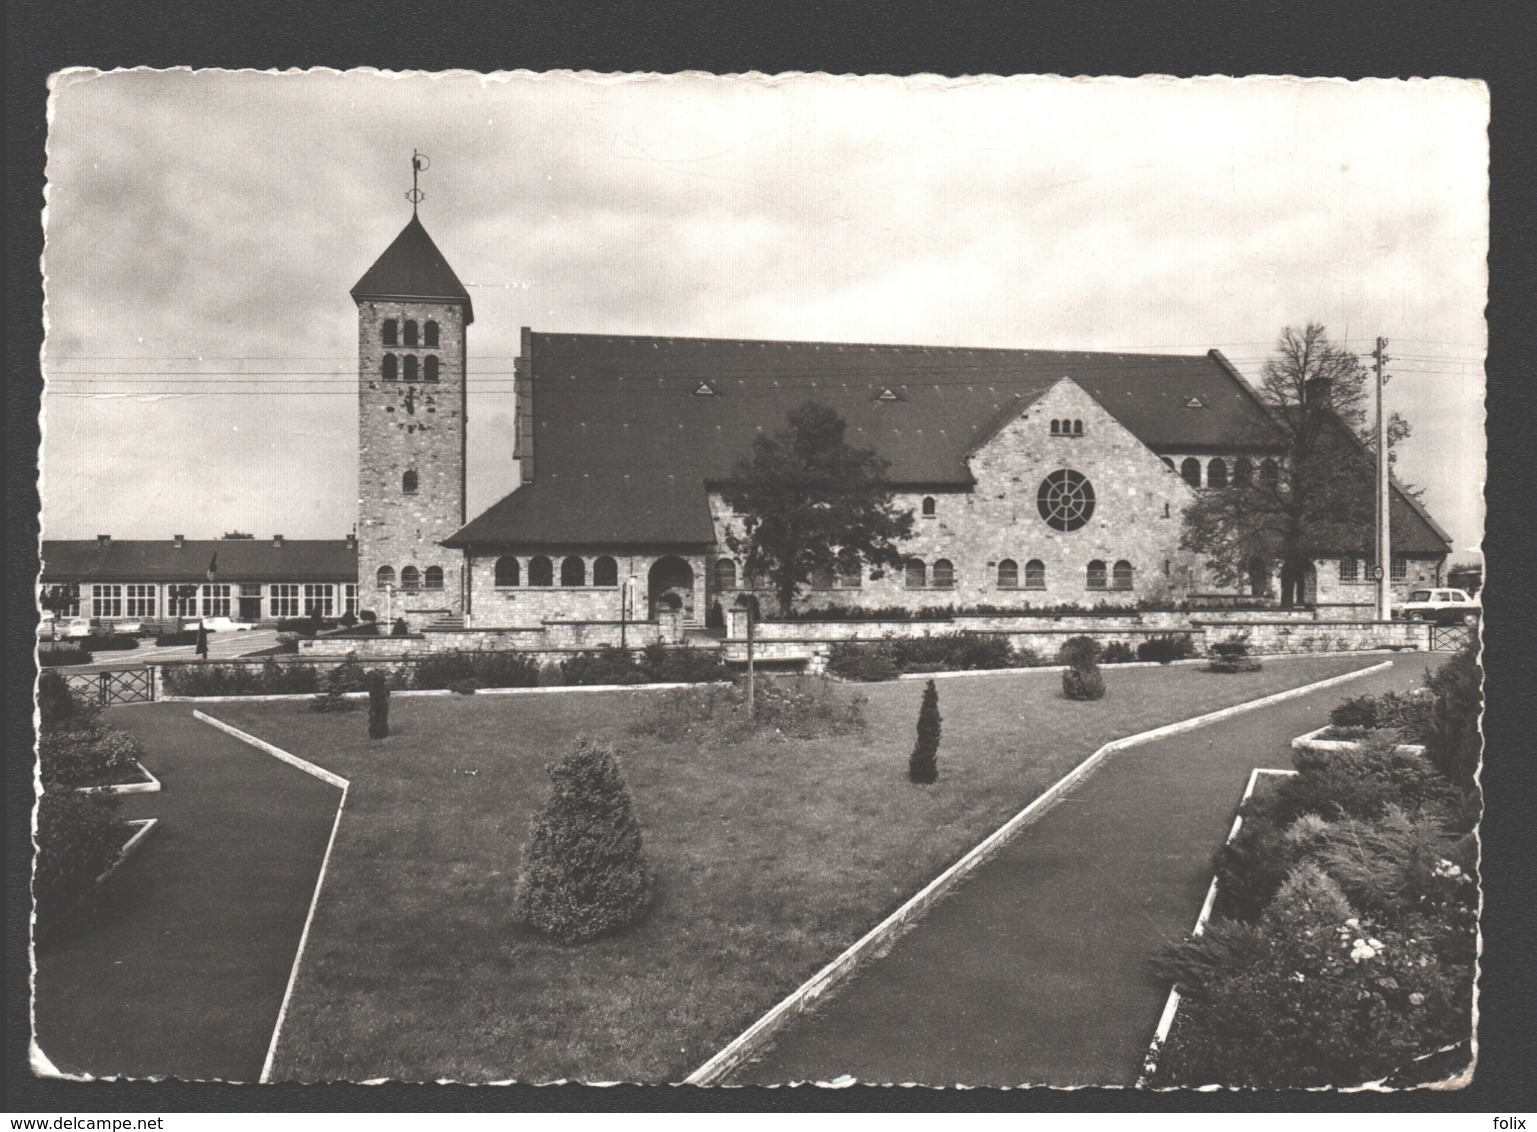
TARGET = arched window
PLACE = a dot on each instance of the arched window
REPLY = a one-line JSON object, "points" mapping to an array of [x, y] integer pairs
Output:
{"points": [[573, 572], [507, 571], [410, 332], [408, 483], [851, 577], [1077, 428], [391, 367], [1056, 428], [1096, 579], [410, 578], [725, 574], [1216, 472], [1243, 470], [433, 578], [410, 366], [1008, 574], [605, 572], [1168, 463], [1270, 473], [944, 574], [1035, 574], [1120, 578], [430, 336], [1189, 470], [917, 574], [385, 577], [928, 506], [430, 367], [540, 572], [391, 331]]}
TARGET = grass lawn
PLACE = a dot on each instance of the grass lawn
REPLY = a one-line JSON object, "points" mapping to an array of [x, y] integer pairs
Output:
{"points": [[772, 856]]}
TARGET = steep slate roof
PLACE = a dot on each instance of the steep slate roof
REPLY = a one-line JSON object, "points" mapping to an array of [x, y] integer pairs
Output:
{"points": [[623, 445], [160, 560], [412, 267]]}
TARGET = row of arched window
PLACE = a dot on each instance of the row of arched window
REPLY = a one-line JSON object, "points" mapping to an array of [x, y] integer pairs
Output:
{"points": [[394, 369], [1219, 474], [411, 579], [393, 335], [541, 571], [941, 576], [1066, 428]]}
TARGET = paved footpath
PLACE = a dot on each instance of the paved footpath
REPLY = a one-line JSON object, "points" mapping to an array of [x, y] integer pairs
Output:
{"points": [[182, 971], [1035, 969]]}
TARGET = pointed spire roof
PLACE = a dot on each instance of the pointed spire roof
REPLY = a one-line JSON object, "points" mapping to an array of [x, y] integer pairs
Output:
{"points": [[413, 268]]}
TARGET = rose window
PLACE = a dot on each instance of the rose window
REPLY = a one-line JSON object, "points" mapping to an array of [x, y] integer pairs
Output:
{"points": [[1066, 500]]}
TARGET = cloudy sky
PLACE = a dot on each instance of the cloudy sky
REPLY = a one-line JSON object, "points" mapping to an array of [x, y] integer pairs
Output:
{"points": [[203, 230]]}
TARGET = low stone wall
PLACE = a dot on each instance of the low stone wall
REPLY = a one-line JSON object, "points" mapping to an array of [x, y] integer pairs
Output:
{"points": [[1334, 636]]}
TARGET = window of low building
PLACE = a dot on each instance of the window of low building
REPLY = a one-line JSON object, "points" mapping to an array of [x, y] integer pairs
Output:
{"points": [[283, 597], [822, 578], [215, 601], [507, 572], [851, 577], [1398, 570], [1096, 575], [1008, 574], [320, 597], [141, 601], [1350, 570], [181, 600], [106, 601], [350, 597]]}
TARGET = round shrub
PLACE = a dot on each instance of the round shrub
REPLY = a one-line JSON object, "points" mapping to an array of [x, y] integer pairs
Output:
{"points": [[78, 838], [584, 871], [400, 628], [1118, 652], [1166, 649], [1083, 684], [54, 700]]}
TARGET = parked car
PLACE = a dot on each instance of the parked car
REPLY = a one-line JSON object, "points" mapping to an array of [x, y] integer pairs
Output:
{"points": [[1442, 606], [72, 627], [225, 625]]}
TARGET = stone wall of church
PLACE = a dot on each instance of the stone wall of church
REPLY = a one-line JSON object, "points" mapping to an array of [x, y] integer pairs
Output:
{"points": [[416, 427], [1138, 501], [526, 605]]}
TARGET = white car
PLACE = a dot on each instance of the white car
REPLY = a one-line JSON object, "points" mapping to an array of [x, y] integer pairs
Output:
{"points": [[224, 625], [1443, 606]]}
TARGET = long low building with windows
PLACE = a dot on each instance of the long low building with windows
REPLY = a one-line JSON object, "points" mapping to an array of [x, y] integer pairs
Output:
{"points": [[249, 579]]}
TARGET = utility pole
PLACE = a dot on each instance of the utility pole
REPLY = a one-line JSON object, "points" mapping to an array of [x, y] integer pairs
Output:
{"points": [[751, 714], [1384, 543]]}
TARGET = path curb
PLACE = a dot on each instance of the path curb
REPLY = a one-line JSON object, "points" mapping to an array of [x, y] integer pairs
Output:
{"points": [[325, 776], [1126, 664], [743, 1045]]}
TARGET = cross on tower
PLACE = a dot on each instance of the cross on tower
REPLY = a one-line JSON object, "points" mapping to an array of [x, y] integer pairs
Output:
{"points": [[419, 164]]}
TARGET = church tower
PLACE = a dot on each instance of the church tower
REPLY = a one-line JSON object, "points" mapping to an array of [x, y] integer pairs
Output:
{"points": [[412, 317]]}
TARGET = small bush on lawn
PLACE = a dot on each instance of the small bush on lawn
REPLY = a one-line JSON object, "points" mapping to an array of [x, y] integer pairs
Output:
{"points": [[1083, 683], [1233, 656], [1167, 649], [55, 702], [584, 872], [345, 677], [378, 706], [856, 660], [57, 656], [78, 838], [181, 637], [465, 687], [1118, 652], [923, 763], [111, 642]]}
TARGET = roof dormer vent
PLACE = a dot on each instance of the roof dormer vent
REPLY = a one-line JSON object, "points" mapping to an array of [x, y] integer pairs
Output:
{"points": [[178, 541], [704, 389], [1194, 403], [103, 541]]}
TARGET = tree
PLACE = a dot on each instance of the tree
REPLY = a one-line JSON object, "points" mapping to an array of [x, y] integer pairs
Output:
{"points": [[1315, 494], [923, 764], [811, 502], [584, 871]]}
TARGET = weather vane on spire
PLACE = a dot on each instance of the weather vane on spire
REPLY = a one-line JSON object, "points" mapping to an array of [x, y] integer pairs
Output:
{"points": [[419, 164]]}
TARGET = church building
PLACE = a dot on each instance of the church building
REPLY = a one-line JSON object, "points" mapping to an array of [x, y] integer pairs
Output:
{"points": [[1036, 478]]}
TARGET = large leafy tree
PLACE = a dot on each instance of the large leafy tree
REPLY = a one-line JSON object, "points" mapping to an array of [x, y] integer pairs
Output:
{"points": [[1316, 495], [810, 502]]}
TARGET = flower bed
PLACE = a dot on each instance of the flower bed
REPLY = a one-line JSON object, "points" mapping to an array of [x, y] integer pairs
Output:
{"points": [[1342, 941]]}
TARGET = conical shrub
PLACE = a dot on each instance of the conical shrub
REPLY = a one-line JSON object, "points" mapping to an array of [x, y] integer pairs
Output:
{"points": [[923, 765], [584, 871], [378, 706]]}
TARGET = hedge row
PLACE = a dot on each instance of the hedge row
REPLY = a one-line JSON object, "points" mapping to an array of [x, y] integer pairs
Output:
{"points": [[968, 651]]}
